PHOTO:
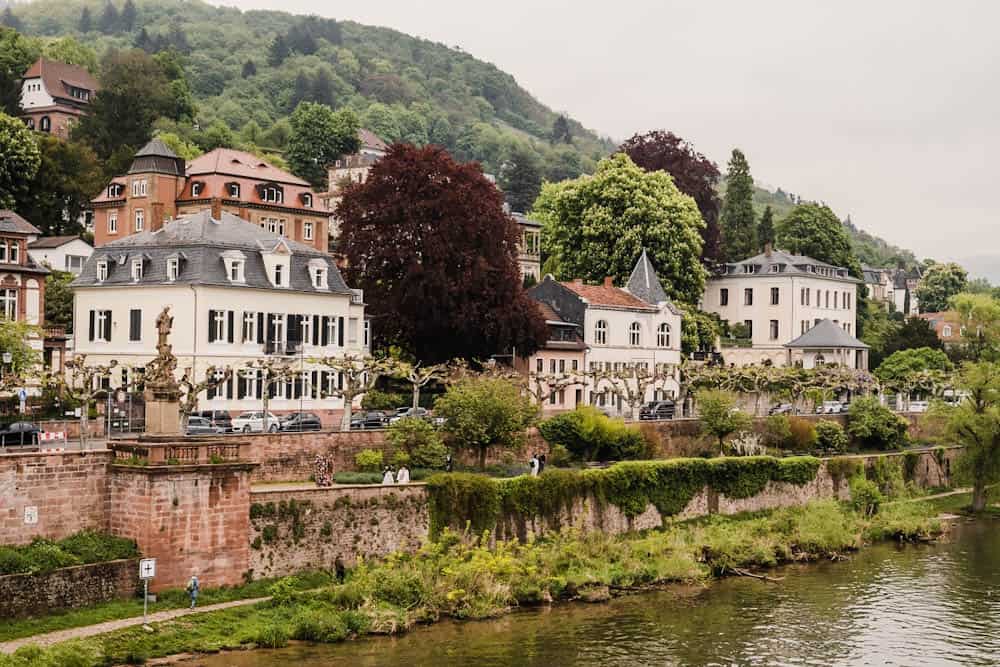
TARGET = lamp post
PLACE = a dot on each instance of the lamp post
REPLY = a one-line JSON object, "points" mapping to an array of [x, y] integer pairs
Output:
{"points": [[7, 359]]}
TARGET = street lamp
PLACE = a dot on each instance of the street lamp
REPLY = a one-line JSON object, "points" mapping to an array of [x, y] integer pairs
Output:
{"points": [[7, 359]]}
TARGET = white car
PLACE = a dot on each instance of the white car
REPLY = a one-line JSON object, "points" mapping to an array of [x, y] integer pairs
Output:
{"points": [[254, 422], [830, 408], [919, 406]]}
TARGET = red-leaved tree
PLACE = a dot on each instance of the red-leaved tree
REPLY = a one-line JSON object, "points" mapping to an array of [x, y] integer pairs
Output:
{"points": [[427, 238], [694, 175]]}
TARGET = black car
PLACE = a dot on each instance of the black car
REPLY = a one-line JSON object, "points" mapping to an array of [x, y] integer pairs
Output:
{"points": [[656, 410], [301, 421], [17, 434], [221, 420], [374, 420], [199, 426]]}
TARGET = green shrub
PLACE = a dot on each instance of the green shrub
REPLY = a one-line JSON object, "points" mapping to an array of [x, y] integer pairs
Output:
{"points": [[887, 474], [45, 556], [843, 467], [865, 496], [558, 456], [830, 436], [91, 546], [369, 460], [358, 478], [874, 426], [719, 414], [803, 434], [384, 400], [13, 561], [272, 636], [282, 592], [319, 625], [400, 459], [420, 441], [590, 435], [777, 432]]}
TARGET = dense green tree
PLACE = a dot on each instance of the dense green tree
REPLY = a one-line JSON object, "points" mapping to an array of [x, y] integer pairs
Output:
{"points": [[879, 329], [249, 69], [979, 317], [561, 133], [320, 135], [14, 337], [699, 330], [86, 20], [128, 16], [17, 52], [486, 413], [911, 334], [598, 226], [20, 160], [693, 174], [321, 88], [815, 231], [719, 415], [278, 51], [216, 135], [430, 238], [68, 176], [765, 230], [143, 41], [939, 283], [380, 119], [109, 19], [739, 228], [521, 178], [900, 365], [59, 300], [975, 424], [69, 50]]}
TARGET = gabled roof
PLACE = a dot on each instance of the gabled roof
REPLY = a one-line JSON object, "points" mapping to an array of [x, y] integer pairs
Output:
{"points": [[607, 295], [827, 336], [53, 242], [524, 221], [644, 283], [57, 76], [240, 163], [12, 223], [371, 141]]}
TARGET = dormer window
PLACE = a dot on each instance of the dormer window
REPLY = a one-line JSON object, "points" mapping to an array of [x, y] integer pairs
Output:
{"points": [[115, 190], [307, 200], [272, 194], [102, 271], [318, 271], [136, 270], [196, 189], [236, 271], [279, 275], [173, 268], [234, 190]]}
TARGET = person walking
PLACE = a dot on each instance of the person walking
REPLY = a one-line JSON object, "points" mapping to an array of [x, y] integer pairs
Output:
{"points": [[193, 588], [541, 463], [533, 465], [387, 478], [403, 475], [448, 465]]}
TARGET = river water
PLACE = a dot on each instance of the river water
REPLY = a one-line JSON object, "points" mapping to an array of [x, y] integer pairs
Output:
{"points": [[915, 605]]}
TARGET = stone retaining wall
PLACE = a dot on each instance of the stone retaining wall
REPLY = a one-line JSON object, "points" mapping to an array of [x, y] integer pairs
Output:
{"points": [[67, 588], [329, 528]]}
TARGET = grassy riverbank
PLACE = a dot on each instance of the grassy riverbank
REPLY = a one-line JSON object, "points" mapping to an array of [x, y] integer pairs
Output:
{"points": [[451, 578]]}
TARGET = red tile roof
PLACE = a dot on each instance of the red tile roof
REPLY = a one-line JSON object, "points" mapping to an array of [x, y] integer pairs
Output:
{"points": [[56, 75], [240, 163], [371, 140], [605, 295], [52, 242]]}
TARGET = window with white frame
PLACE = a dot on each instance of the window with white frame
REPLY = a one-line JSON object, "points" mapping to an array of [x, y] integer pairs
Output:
{"points": [[319, 277], [635, 334], [367, 334], [663, 335], [140, 220], [307, 200], [272, 194], [217, 327], [352, 330], [136, 270], [173, 268], [249, 327], [74, 263], [113, 222], [196, 189], [235, 270], [8, 304], [307, 231], [13, 251], [102, 271], [274, 225], [946, 331], [601, 332], [139, 187], [279, 275], [234, 190]]}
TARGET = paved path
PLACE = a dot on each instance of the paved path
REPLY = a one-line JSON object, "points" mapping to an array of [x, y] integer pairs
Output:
{"points": [[110, 626]]}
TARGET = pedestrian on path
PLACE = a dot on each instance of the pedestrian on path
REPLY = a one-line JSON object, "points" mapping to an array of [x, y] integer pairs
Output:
{"points": [[533, 465], [192, 589], [403, 475], [541, 463], [387, 478]]}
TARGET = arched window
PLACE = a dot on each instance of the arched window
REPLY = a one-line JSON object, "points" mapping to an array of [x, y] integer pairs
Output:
{"points": [[601, 333], [634, 334], [45, 125], [663, 335]]}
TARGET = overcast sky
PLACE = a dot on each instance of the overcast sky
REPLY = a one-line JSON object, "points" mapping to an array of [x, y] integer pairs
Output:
{"points": [[884, 110]]}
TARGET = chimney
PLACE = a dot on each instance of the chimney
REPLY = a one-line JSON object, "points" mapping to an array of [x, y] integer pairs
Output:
{"points": [[767, 249], [156, 217], [216, 208], [609, 281]]}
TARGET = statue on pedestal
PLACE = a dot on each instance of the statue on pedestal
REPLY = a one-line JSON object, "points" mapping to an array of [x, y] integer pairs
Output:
{"points": [[162, 389]]}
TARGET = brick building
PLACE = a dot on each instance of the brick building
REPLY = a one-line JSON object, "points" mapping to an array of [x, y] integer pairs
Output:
{"points": [[160, 186], [54, 95]]}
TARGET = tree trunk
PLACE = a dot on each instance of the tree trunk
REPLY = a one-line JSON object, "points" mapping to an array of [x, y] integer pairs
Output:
{"points": [[482, 459], [979, 497], [345, 420], [83, 428], [416, 396]]}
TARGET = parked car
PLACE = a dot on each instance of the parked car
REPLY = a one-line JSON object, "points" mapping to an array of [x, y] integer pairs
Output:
{"points": [[201, 426], [919, 406], [420, 413], [831, 408], [301, 421], [17, 434], [220, 419], [254, 422], [375, 419], [781, 409], [656, 410]]}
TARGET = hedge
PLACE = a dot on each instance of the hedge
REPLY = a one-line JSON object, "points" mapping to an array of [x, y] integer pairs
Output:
{"points": [[461, 499], [86, 546]]}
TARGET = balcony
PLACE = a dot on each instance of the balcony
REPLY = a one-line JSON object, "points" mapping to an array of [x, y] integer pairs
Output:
{"points": [[282, 348]]}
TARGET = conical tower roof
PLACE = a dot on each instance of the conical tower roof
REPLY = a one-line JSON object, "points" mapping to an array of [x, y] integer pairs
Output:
{"points": [[157, 158], [644, 283]]}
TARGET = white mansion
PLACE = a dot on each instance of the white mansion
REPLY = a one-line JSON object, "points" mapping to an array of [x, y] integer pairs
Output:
{"points": [[237, 293], [780, 299]]}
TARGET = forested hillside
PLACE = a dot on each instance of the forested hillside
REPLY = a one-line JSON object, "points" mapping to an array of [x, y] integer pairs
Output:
{"points": [[250, 69]]}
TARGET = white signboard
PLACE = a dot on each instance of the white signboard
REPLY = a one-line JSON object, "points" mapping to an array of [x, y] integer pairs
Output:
{"points": [[147, 568], [31, 515]]}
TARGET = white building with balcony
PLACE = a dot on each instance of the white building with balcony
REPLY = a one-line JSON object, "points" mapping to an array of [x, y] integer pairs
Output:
{"points": [[778, 297], [237, 293]]}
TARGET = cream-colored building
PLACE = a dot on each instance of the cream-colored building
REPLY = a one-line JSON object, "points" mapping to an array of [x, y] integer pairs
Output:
{"points": [[237, 293], [778, 297]]}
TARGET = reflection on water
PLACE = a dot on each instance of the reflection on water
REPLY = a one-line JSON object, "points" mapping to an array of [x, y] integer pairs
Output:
{"points": [[917, 605]]}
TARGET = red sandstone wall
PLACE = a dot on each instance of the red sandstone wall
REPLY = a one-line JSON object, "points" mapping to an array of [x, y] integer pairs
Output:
{"points": [[69, 491], [190, 518], [67, 588]]}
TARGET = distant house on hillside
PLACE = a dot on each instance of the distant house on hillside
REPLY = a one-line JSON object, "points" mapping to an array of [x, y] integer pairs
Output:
{"points": [[61, 253], [947, 327], [55, 95]]}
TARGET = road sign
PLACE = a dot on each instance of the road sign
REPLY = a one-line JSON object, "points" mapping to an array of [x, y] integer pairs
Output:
{"points": [[147, 568], [22, 397]]}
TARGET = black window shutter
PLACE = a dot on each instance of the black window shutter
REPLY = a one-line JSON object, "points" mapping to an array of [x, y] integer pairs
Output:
{"points": [[93, 316], [324, 377], [340, 332], [260, 328], [260, 384], [272, 389], [229, 387], [294, 328], [241, 386], [231, 318], [107, 325], [209, 392], [315, 331], [325, 333], [211, 326], [135, 324], [340, 380], [270, 328]]}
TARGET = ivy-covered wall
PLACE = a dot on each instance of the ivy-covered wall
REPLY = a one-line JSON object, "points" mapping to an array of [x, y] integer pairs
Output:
{"points": [[309, 529]]}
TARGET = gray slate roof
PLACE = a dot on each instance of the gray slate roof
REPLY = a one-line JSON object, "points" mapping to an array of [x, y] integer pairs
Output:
{"points": [[644, 283], [825, 336], [200, 241], [524, 221], [11, 222], [786, 263]]}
